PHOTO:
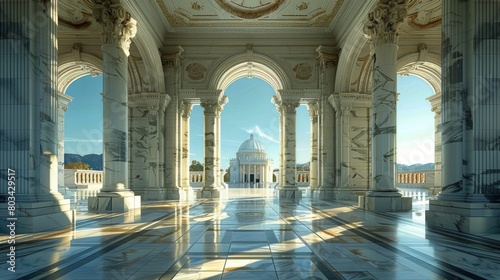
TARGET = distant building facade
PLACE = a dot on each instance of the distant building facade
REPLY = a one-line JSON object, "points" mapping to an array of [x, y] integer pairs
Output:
{"points": [[251, 164]]}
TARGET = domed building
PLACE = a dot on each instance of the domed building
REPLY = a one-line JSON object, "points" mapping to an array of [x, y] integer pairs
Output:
{"points": [[251, 164]]}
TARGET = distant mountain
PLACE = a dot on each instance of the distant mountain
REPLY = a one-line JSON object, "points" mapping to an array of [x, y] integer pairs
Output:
{"points": [[414, 167], [93, 160]]}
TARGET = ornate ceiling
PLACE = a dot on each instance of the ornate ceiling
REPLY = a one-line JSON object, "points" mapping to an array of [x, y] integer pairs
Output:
{"points": [[187, 16]]}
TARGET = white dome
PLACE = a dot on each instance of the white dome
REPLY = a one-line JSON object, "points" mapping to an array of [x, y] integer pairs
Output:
{"points": [[251, 146]]}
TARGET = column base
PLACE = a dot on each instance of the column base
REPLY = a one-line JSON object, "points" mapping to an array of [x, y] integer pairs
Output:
{"points": [[472, 218], [289, 192], [332, 193], [211, 193], [106, 202], [385, 203], [32, 217], [187, 193]]}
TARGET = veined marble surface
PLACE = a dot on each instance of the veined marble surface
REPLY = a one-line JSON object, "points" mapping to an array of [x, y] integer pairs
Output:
{"points": [[251, 235]]}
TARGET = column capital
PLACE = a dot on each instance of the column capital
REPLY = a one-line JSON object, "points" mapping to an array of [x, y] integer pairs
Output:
{"points": [[289, 106], [63, 101], [383, 21], [209, 106], [171, 57], [313, 108], [327, 57], [118, 27], [186, 107]]}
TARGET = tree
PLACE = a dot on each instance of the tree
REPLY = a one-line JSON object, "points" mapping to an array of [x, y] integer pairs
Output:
{"points": [[77, 165], [227, 176], [196, 166]]}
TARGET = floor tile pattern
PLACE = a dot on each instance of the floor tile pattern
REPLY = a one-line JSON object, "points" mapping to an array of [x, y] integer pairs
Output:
{"points": [[253, 236]]}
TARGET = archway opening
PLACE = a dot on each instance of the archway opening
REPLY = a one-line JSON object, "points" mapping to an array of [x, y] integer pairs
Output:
{"points": [[416, 142]]}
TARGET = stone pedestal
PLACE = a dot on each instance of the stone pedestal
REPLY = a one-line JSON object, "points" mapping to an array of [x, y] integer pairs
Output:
{"points": [[385, 203], [464, 217], [114, 202]]}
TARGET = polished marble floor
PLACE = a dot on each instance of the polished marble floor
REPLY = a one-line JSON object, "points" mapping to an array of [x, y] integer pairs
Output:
{"points": [[253, 235]]}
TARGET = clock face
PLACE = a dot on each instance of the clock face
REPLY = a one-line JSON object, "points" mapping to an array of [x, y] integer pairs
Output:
{"points": [[250, 9]]}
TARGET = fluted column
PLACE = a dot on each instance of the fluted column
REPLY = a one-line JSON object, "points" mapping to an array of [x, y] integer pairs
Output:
{"points": [[470, 196], [287, 108], [313, 108], [62, 108], [118, 28], [29, 115], [217, 138], [381, 28]]}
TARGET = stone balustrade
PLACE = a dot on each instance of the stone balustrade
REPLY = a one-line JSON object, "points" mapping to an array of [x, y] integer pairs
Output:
{"points": [[411, 178], [302, 178]]}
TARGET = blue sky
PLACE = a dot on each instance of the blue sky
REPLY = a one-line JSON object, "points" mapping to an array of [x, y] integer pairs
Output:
{"points": [[250, 110]]}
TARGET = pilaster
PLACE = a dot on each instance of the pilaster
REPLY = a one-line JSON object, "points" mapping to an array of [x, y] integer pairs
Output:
{"points": [[63, 101], [171, 61], [147, 158], [328, 61]]}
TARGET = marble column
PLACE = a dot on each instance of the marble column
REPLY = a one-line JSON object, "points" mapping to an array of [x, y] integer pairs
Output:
{"points": [[327, 60], [211, 188], [287, 108], [313, 108], [435, 101], [171, 61], [381, 29], [469, 200], [186, 108], [63, 101], [29, 119], [146, 142], [219, 179], [118, 28]]}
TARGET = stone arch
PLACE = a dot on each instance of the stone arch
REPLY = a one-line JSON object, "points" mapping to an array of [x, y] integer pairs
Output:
{"points": [[429, 70], [72, 66], [232, 68]]}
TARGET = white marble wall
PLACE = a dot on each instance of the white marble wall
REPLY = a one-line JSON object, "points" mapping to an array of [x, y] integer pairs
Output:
{"points": [[29, 116]]}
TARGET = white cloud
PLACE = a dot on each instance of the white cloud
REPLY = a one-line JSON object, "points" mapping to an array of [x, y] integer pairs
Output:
{"points": [[258, 131]]}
